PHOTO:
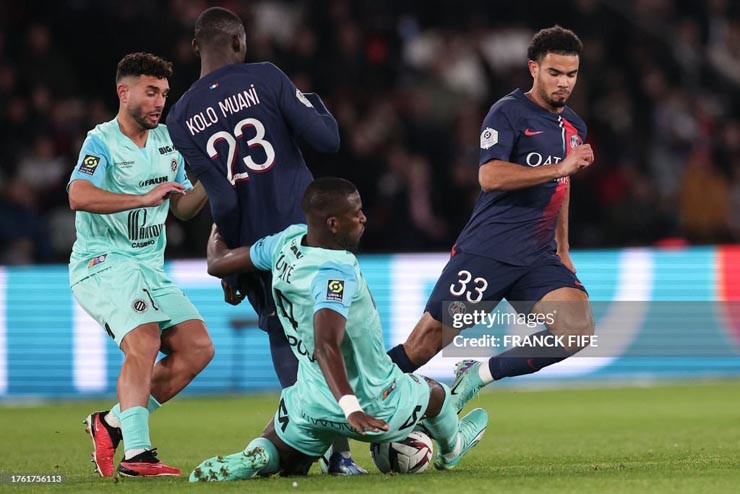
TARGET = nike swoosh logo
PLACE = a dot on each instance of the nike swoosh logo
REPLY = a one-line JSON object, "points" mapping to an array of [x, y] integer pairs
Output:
{"points": [[453, 391], [531, 133]]}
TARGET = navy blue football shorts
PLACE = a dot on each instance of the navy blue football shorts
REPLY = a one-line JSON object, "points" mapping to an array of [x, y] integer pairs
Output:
{"points": [[472, 278]]}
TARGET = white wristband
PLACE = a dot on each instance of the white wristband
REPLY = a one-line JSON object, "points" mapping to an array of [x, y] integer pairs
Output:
{"points": [[349, 405]]}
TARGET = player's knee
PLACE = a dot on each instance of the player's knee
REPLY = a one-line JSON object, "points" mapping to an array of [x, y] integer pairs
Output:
{"points": [[141, 346], [577, 322], [200, 354]]}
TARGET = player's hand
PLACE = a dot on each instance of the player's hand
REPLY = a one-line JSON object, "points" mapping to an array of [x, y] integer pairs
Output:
{"points": [[161, 193], [566, 260], [578, 159], [364, 423], [231, 294]]}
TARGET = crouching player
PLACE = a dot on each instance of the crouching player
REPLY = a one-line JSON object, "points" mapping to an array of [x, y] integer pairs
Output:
{"points": [[347, 384]]}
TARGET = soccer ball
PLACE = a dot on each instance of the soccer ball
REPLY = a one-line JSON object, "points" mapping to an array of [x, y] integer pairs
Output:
{"points": [[412, 455]]}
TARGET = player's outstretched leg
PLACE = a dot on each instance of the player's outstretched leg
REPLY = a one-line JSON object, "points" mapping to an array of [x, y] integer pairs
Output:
{"points": [[454, 437], [467, 383], [470, 431], [140, 348], [260, 457]]}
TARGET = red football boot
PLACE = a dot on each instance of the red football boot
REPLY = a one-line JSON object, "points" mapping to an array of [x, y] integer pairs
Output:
{"points": [[146, 464], [105, 440]]}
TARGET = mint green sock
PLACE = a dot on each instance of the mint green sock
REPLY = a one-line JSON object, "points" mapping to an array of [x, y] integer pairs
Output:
{"points": [[135, 428], [443, 427], [152, 406], [273, 457]]}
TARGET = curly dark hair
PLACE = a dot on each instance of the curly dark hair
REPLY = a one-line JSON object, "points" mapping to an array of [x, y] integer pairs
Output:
{"points": [[556, 40], [143, 64]]}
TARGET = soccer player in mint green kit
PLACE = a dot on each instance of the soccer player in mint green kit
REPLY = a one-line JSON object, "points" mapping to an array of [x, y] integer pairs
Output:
{"points": [[347, 385], [127, 177]]}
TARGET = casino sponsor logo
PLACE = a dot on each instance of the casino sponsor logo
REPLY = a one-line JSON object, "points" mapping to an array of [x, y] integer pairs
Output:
{"points": [[139, 306], [139, 233], [89, 164], [536, 159], [152, 181], [335, 290], [488, 138]]}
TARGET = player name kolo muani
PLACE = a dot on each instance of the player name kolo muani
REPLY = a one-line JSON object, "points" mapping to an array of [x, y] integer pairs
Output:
{"points": [[227, 106]]}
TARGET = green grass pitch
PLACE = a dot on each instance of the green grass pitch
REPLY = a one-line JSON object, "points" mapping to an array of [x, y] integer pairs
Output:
{"points": [[669, 438]]}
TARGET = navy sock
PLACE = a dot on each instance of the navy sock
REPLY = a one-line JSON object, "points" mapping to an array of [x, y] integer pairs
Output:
{"points": [[283, 358], [400, 358], [526, 360]]}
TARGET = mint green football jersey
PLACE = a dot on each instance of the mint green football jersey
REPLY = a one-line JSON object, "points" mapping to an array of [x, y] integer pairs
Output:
{"points": [[308, 279], [111, 161]]}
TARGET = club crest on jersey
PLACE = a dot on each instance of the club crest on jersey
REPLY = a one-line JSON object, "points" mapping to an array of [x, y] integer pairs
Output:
{"points": [[173, 165], [302, 98], [488, 138], [335, 290], [575, 141], [456, 307], [89, 164]]}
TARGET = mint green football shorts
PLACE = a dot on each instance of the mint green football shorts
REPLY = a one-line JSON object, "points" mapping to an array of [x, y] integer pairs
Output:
{"points": [[129, 294], [309, 429]]}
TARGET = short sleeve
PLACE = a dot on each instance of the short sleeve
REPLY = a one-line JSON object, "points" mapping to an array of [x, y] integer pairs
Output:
{"points": [[497, 136], [262, 251], [333, 288], [92, 162], [182, 177]]}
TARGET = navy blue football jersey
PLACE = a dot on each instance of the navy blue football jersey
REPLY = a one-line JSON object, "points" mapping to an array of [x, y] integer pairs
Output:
{"points": [[518, 226], [238, 128]]}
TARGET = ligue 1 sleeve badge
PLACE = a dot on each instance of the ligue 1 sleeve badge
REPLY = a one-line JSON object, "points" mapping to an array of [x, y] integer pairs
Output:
{"points": [[488, 138]]}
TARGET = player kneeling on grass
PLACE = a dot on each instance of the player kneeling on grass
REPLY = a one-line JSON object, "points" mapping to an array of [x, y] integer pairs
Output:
{"points": [[347, 384]]}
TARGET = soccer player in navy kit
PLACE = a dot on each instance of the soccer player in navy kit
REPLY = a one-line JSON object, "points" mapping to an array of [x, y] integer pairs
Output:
{"points": [[515, 245], [238, 128]]}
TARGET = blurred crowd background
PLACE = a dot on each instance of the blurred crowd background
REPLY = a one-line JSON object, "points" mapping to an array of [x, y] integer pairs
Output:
{"points": [[410, 83]]}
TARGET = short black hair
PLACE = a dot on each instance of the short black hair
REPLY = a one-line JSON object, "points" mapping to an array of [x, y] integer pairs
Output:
{"points": [[142, 63], [325, 196], [217, 25], [556, 40]]}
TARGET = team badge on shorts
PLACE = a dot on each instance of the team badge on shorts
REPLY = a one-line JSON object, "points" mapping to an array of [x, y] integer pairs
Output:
{"points": [[139, 306], [488, 138], [335, 290], [89, 164]]}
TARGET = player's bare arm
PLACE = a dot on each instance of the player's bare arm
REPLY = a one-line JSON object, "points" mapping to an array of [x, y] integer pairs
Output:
{"points": [[187, 205], [84, 196], [329, 329], [223, 261], [503, 175]]}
